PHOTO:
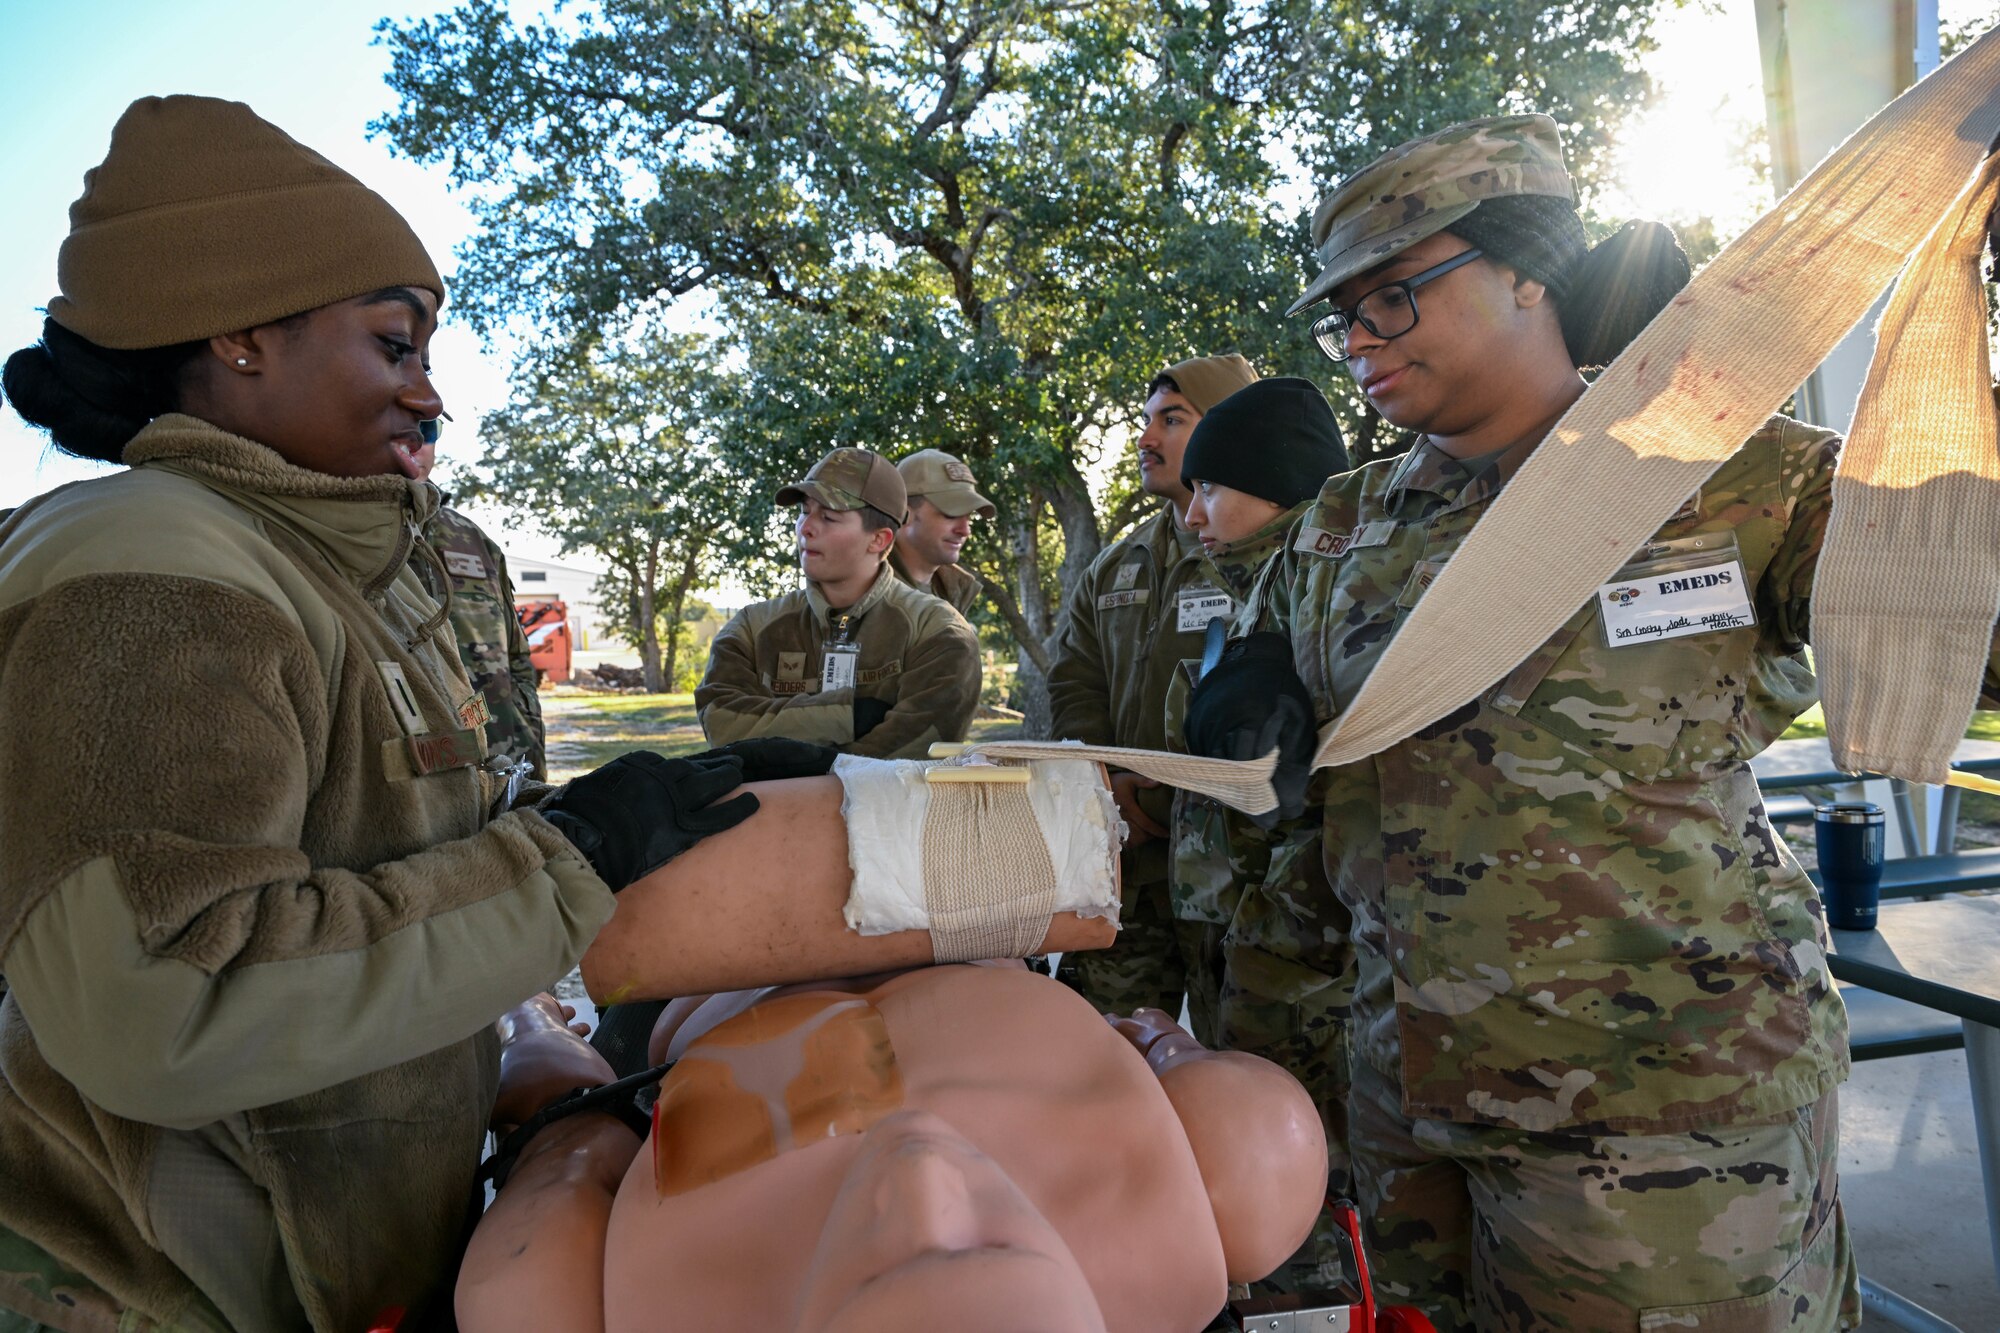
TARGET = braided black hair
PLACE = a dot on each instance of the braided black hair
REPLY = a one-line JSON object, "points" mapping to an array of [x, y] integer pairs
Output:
{"points": [[1604, 294], [92, 400]]}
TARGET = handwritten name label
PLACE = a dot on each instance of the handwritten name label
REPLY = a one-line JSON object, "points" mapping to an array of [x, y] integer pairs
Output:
{"points": [[1655, 607]]}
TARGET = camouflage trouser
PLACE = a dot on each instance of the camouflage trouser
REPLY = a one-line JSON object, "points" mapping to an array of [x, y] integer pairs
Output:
{"points": [[1200, 944], [40, 1292], [1143, 969], [1733, 1227], [1308, 1039]]}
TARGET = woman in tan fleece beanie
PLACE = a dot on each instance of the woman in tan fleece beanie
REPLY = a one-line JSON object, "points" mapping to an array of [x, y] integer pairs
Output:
{"points": [[260, 897], [216, 266]]}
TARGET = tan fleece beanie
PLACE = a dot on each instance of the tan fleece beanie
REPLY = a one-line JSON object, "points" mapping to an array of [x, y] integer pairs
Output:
{"points": [[1207, 380], [205, 218]]}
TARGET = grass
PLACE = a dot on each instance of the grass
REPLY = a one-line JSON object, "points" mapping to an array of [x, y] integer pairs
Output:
{"points": [[586, 730], [1812, 724], [1975, 808]]}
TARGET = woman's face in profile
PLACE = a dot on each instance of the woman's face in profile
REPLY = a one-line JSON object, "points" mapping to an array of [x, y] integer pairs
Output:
{"points": [[341, 389]]}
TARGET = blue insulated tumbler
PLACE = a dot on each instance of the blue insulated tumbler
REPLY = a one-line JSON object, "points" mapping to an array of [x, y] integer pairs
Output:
{"points": [[1850, 836]]}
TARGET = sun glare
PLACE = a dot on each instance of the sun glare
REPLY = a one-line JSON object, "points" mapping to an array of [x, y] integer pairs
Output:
{"points": [[1697, 151]]}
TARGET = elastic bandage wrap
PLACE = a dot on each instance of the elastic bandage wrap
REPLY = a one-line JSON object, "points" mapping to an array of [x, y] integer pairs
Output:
{"points": [[982, 866]]}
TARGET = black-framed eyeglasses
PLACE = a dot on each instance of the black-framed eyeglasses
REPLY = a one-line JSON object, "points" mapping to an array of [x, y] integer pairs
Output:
{"points": [[1387, 312]]}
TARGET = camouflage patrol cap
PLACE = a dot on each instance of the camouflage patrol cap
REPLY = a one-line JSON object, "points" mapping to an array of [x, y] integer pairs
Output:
{"points": [[850, 479], [1424, 186], [946, 482]]}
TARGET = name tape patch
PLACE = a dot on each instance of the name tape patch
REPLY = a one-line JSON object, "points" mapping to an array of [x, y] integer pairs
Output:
{"points": [[1318, 541]]}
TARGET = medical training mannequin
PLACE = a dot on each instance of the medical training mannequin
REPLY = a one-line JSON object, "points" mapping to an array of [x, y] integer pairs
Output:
{"points": [[761, 903], [966, 1144]]}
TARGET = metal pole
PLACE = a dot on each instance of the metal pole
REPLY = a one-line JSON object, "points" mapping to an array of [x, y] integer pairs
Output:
{"points": [[1878, 1302], [1982, 1066]]}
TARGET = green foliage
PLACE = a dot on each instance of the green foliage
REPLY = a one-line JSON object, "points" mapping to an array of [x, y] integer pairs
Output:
{"points": [[607, 446], [974, 225], [1955, 37]]}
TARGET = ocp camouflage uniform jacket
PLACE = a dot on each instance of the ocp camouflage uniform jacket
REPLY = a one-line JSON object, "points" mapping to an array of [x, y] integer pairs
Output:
{"points": [[1570, 909], [952, 584], [915, 652], [1121, 645], [490, 642], [1285, 958]]}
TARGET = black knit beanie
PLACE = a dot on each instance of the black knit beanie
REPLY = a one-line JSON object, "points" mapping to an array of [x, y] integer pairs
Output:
{"points": [[1275, 439], [1539, 236]]}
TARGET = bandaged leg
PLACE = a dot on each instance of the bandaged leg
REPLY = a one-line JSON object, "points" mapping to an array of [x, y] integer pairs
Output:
{"points": [[993, 862], [767, 901]]}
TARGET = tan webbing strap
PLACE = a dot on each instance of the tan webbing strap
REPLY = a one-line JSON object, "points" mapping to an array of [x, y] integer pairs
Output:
{"points": [[1908, 584], [1240, 784], [1703, 376], [989, 884]]}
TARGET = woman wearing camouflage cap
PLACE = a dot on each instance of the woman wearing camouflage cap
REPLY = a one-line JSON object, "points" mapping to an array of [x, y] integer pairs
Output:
{"points": [[262, 901], [1596, 1044]]}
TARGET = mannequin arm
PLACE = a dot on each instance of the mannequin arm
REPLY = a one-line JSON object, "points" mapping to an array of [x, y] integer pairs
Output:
{"points": [[536, 1260]]}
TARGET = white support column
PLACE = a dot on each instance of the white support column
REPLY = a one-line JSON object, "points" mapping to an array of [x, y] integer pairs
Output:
{"points": [[1828, 66]]}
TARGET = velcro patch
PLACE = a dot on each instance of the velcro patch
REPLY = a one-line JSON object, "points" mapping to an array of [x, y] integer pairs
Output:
{"points": [[883, 672], [1111, 601], [791, 666], [464, 566], [792, 686]]}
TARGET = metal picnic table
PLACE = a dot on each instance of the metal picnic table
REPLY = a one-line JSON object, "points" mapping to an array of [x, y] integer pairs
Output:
{"points": [[1944, 954], [1808, 762]]}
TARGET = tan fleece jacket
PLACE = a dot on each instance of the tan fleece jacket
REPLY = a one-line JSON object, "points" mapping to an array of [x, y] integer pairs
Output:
{"points": [[1121, 644], [245, 1065], [916, 654], [953, 584]]}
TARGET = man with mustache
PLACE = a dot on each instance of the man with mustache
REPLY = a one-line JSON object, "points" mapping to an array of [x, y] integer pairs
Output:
{"points": [[1140, 609]]}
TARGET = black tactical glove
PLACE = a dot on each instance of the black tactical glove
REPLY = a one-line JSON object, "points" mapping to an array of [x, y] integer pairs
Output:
{"points": [[640, 811], [1250, 703], [769, 758], [868, 714]]}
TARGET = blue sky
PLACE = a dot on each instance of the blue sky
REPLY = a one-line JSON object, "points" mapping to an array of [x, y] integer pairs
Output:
{"points": [[68, 68]]}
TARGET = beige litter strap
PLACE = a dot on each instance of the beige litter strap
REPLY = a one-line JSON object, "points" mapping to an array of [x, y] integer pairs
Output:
{"points": [[1703, 376], [1908, 583], [989, 883], [1240, 784]]}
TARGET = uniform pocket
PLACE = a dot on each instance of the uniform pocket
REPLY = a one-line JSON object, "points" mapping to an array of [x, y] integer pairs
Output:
{"points": [[1648, 710], [1817, 1292]]}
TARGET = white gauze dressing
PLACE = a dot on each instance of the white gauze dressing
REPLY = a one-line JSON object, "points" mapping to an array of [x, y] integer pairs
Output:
{"points": [[888, 809]]}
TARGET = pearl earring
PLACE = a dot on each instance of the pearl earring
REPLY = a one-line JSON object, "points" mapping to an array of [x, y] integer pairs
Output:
{"points": [[242, 360]]}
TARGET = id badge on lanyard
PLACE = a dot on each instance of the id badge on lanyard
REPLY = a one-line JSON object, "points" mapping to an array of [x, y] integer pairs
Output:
{"points": [[836, 670]]}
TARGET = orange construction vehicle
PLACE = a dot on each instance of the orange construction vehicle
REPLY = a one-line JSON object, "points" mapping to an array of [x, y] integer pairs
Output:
{"points": [[546, 623]]}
